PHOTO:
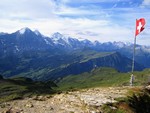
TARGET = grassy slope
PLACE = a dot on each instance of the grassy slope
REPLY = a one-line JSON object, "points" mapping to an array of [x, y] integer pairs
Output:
{"points": [[102, 77], [90, 54], [21, 87]]}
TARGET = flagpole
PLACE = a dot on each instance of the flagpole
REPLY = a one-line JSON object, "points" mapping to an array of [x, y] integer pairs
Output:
{"points": [[139, 28], [133, 60], [133, 63]]}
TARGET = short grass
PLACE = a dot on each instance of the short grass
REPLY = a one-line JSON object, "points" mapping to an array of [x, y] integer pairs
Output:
{"points": [[137, 102], [102, 77]]}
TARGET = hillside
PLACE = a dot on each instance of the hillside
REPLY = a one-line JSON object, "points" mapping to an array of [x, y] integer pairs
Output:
{"points": [[19, 88], [16, 88], [45, 66], [88, 92], [101, 90], [103, 77]]}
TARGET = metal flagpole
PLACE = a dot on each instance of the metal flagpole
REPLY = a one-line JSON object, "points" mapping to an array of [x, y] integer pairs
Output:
{"points": [[133, 55], [133, 63]]}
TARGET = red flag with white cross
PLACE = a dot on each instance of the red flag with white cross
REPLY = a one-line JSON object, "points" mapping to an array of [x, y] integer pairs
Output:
{"points": [[139, 26]]}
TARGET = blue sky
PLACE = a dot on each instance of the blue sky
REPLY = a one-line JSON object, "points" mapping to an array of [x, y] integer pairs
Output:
{"points": [[103, 20]]}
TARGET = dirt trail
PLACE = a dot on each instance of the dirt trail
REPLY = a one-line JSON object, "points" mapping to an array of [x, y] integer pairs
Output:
{"points": [[83, 101]]}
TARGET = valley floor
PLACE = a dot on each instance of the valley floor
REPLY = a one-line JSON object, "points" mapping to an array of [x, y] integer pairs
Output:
{"points": [[83, 101]]}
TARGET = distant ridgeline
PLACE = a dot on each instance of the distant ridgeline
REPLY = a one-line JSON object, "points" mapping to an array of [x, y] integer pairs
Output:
{"points": [[27, 53]]}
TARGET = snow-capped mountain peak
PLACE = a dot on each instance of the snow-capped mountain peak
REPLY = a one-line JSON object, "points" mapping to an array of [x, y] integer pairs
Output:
{"points": [[23, 30], [119, 44], [60, 39], [37, 32], [81, 39], [57, 36]]}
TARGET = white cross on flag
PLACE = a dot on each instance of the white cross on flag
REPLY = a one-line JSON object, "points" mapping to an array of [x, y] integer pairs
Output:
{"points": [[139, 26]]}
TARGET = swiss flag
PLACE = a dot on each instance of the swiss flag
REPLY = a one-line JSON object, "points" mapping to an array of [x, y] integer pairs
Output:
{"points": [[139, 26]]}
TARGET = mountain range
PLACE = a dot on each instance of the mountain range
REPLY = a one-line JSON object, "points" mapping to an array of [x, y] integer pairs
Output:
{"points": [[31, 54]]}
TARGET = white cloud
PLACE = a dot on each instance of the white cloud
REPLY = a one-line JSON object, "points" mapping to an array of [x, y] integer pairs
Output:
{"points": [[91, 1], [94, 23], [69, 11], [145, 3], [114, 6], [26, 8]]}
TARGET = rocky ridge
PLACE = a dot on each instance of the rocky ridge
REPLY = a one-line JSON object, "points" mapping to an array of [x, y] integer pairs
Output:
{"points": [[83, 101]]}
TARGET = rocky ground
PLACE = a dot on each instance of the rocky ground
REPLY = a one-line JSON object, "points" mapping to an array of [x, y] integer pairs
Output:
{"points": [[83, 101]]}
